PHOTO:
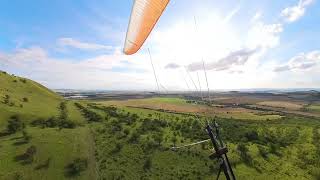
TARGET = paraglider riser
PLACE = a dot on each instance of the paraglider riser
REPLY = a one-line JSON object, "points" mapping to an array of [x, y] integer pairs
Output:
{"points": [[220, 153]]}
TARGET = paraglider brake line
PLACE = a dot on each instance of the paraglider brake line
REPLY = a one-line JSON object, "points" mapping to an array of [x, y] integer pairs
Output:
{"points": [[192, 144]]}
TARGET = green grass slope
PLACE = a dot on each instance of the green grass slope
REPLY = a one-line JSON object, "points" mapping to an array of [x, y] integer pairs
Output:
{"points": [[26, 98], [54, 147]]}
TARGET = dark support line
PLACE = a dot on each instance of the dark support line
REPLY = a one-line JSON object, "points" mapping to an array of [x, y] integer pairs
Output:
{"points": [[220, 154]]}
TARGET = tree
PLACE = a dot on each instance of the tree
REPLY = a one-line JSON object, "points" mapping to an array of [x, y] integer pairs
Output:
{"points": [[25, 99], [174, 140], [15, 124], [77, 166], [252, 136], [158, 138]]}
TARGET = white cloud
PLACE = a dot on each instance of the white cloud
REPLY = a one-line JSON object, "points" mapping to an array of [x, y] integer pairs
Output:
{"points": [[232, 14], [256, 17], [70, 42], [30, 54], [172, 66], [235, 58], [294, 13], [303, 61], [264, 35], [107, 71]]}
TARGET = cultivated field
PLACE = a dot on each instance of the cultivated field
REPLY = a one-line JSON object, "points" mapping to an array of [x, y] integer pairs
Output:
{"points": [[282, 104], [179, 105]]}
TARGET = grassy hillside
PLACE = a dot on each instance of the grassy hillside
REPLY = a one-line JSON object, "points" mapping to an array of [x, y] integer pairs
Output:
{"points": [[51, 136], [26, 97]]}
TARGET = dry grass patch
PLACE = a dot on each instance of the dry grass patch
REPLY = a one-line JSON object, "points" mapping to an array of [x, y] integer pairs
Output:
{"points": [[282, 104]]}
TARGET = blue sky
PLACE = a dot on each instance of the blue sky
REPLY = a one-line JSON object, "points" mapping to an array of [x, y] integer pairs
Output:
{"points": [[244, 44]]}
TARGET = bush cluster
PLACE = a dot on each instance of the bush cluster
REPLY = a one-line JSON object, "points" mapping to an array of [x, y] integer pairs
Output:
{"points": [[91, 116]]}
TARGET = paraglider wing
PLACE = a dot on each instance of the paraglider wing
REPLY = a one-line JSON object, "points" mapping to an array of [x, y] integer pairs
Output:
{"points": [[144, 16]]}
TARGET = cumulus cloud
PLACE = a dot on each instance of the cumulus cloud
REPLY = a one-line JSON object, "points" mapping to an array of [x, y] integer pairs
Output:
{"points": [[232, 14], [29, 54], [106, 71], [235, 58], [172, 66], [264, 35], [302, 61], [256, 17], [294, 13], [70, 42]]}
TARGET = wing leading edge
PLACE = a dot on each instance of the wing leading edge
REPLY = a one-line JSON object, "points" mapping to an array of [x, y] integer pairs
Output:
{"points": [[144, 16]]}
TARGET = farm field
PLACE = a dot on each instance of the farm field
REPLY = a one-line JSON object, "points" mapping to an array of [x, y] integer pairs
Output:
{"points": [[180, 105], [282, 104], [314, 108]]}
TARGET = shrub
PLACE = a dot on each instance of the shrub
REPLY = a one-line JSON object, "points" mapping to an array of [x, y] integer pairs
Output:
{"points": [[134, 137], [243, 150], [174, 140], [67, 124], [17, 176], [88, 114], [39, 122], [15, 124], [117, 148], [6, 99], [26, 136], [25, 99], [252, 136], [158, 138], [28, 156], [147, 164], [23, 80], [51, 122], [77, 166], [126, 132]]}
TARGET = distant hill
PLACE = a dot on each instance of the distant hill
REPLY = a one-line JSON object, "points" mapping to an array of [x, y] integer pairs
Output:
{"points": [[26, 97]]}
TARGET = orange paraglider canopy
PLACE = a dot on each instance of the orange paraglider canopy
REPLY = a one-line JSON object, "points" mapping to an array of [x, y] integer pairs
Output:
{"points": [[144, 16]]}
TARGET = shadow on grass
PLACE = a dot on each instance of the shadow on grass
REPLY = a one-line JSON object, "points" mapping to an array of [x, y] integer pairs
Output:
{"points": [[4, 133], [16, 138], [24, 159], [18, 143]]}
